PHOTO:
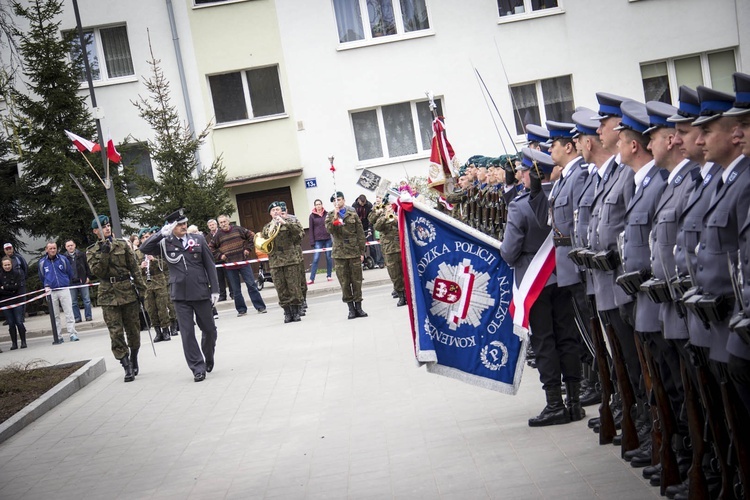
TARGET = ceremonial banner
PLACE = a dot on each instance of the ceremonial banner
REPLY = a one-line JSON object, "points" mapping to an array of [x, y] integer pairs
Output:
{"points": [[458, 290]]}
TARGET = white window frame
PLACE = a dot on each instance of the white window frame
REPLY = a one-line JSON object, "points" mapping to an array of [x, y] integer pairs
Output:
{"points": [[104, 78], [674, 88], [540, 103], [368, 40], [528, 13], [215, 3], [387, 158], [248, 101]]}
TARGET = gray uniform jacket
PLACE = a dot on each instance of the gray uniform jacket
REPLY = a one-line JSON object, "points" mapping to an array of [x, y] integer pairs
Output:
{"points": [[735, 345], [725, 215], [606, 224], [525, 232], [690, 224], [663, 238], [636, 254], [192, 272], [563, 200], [583, 216]]}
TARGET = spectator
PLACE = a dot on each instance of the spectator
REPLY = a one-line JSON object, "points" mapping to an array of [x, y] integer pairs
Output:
{"points": [[82, 277], [363, 208], [10, 286], [213, 226], [319, 238], [56, 274], [20, 265]]}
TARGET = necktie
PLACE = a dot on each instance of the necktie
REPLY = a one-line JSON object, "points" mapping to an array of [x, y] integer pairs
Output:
{"points": [[184, 243], [719, 184]]}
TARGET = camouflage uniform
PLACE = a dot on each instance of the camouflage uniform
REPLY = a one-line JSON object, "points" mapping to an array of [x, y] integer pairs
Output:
{"points": [[117, 296], [348, 248], [458, 199], [284, 261], [389, 242], [157, 290]]}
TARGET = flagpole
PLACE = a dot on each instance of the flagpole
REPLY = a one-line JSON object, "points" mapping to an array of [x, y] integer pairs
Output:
{"points": [[114, 214], [92, 168]]}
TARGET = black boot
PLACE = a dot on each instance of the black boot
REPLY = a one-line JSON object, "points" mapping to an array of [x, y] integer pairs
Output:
{"points": [[358, 310], [174, 328], [22, 334], [159, 334], [13, 338], [302, 308], [352, 311], [394, 294], [296, 312], [554, 413], [401, 299], [165, 333], [287, 314], [125, 362], [134, 360], [573, 403]]}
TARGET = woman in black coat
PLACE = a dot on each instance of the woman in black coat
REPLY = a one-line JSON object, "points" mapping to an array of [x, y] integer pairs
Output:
{"points": [[10, 286]]}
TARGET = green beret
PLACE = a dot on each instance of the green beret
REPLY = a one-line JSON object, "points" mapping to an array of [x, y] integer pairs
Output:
{"points": [[103, 221], [282, 204], [337, 194], [154, 229], [144, 231], [274, 205]]}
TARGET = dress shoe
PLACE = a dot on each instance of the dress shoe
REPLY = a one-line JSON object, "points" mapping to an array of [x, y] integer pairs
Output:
{"points": [[262, 311], [640, 461], [591, 396], [617, 441], [644, 448], [651, 471], [594, 422], [655, 480], [199, 377], [209, 366], [674, 489]]}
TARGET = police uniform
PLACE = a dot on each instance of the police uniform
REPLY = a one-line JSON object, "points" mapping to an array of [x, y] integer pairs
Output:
{"points": [[551, 320], [113, 262], [284, 260], [194, 288], [349, 243]]}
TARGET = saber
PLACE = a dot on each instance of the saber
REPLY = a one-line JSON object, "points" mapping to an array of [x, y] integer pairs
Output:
{"points": [[101, 236], [582, 328], [497, 110], [148, 320]]}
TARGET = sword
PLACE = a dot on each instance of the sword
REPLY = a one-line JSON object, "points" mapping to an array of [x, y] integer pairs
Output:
{"points": [[148, 322], [736, 282], [582, 328], [101, 236]]}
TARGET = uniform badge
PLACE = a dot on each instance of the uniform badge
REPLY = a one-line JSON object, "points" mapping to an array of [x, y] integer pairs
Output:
{"points": [[732, 177], [707, 179], [646, 181], [678, 180]]}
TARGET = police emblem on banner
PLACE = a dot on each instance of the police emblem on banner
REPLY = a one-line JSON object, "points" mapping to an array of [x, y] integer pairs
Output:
{"points": [[460, 289]]}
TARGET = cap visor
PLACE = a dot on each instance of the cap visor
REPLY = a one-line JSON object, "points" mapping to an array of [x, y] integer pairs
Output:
{"points": [[649, 130], [737, 112], [705, 119], [680, 119]]}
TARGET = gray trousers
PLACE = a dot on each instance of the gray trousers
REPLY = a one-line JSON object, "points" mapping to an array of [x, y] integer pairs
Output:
{"points": [[194, 355]]}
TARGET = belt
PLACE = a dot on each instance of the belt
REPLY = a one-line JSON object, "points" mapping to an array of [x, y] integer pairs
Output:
{"points": [[561, 241], [118, 279]]}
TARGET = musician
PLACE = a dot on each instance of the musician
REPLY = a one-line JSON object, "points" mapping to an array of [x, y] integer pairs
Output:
{"points": [[303, 280], [156, 299], [383, 219], [349, 243], [284, 256], [194, 288]]}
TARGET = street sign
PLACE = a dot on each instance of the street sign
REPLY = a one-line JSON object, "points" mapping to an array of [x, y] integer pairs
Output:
{"points": [[311, 182]]}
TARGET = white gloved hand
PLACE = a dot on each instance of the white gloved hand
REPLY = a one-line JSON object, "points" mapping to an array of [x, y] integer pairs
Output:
{"points": [[214, 299], [168, 228]]}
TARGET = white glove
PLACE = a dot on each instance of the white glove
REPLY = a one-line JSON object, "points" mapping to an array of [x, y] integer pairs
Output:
{"points": [[168, 228], [214, 299]]}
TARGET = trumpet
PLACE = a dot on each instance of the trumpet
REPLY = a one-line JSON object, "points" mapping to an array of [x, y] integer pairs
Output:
{"points": [[265, 243]]}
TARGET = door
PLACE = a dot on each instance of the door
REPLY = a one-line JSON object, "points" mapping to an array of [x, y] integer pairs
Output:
{"points": [[253, 207]]}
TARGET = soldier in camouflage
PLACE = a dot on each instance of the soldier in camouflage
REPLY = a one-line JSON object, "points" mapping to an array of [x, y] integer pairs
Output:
{"points": [[385, 221], [154, 271], [303, 273], [113, 263], [345, 228], [284, 260]]}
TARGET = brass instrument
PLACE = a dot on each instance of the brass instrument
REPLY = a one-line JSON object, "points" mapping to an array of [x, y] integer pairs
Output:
{"points": [[148, 267], [265, 244]]}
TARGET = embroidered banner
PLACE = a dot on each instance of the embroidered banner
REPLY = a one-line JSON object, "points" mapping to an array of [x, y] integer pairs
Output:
{"points": [[459, 290]]}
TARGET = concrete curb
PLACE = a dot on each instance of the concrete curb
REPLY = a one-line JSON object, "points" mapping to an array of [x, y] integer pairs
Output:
{"points": [[74, 382]]}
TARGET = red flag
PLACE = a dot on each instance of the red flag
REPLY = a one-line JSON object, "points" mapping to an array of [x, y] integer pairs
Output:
{"points": [[112, 153], [534, 280], [83, 144], [442, 157]]}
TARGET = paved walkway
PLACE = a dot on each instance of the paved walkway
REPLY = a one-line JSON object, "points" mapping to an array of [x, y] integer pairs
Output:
{"points": [[324, 408]]}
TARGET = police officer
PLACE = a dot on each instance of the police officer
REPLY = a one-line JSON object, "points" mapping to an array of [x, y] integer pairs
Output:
{"points": [[113, 262], [345, 228], [157, 292], [284, 259], [194, 288], [551, 319]]}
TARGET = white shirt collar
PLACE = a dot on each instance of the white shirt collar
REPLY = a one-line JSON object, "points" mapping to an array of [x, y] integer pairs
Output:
{"points": [[569, 166], [592, 168], [705, 168], [602, 169], [641, 174], [728, 170], [675, 171]]}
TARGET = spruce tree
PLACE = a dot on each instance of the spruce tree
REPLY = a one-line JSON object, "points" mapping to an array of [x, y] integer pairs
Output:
{"points": [[50, 104], [174, 151]]}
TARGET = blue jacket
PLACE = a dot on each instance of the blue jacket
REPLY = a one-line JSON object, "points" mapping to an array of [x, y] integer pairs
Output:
{"points": [[55, 273]]}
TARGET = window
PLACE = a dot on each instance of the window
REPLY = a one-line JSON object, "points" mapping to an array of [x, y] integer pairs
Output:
{"points": [[394, 130], [135, 156], [244, 95], [373, 19], [662, 79], [555, 93], [527, 8], [104, 44]]}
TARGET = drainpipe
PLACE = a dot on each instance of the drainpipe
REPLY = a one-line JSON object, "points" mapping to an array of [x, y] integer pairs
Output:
{"points": [[183, 80]]}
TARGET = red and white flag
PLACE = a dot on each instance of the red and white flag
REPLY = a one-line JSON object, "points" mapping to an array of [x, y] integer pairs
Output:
{"points": [[534, 281], [82, 144], [112, 153], [442, 157]]}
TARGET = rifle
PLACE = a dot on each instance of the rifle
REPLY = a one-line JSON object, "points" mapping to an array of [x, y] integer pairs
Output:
{"points": [[607, 430], [738, 435], [629, 432], [647, 369], [696, 424]]}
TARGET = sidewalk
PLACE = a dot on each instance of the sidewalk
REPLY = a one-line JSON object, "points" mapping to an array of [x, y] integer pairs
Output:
{"points": [[324, 408]]}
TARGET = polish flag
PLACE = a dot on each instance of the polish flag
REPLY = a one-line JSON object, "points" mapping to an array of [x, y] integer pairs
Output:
{"points": [[82, 144], [112, 153], [534, 280]]}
